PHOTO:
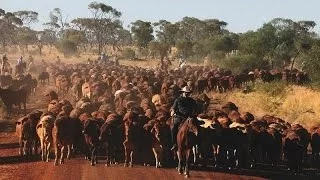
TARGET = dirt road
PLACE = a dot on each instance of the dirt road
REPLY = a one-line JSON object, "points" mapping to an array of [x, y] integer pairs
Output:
{"points": [[12, 167]]}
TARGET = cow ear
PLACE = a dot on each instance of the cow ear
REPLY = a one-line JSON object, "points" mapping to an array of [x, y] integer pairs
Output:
{"points": [[152, 131], [39, 126]]}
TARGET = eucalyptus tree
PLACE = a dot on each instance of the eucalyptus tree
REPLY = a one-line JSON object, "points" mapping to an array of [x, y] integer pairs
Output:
{"points": [[105, 24], [166, 32], [8, 26], [27, 17], [142, 33], [45, 37], [77, 37], [58, 21], [25, 36]]}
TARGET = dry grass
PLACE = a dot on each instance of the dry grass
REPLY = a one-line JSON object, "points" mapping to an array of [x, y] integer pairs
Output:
{"points": [[300, 105]]}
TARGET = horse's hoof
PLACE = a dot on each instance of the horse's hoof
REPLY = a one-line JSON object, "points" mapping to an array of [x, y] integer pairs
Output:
{"points": [[187, 176], [61, 162], [106, 165], [92, 164], [55, 163], [125, 165]]}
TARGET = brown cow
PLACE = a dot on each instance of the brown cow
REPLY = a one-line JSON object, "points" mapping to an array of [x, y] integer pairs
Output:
{"points": [[63, 134], [44, 131], [24, 132]]}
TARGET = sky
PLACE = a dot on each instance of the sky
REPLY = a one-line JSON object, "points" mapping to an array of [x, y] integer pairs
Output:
{"points": [[241, 15]]}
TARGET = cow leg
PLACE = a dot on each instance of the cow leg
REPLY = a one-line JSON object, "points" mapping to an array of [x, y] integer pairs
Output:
{"points": [[179, 161], [131, 159], [195, 153], [215, 155], [128, 152], [47, 150], [21, 147], [62, 155], [156, 156], [56, 151], [93, 156], [186, 170], [69, 152], [43, 150]]}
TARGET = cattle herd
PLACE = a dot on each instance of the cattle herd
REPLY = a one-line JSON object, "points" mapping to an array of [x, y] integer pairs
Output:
{"points": [[123, 113]]}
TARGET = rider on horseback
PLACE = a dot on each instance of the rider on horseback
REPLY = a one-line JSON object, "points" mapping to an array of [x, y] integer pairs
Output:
{"points": [[20, 61], [183, 107], [4, 62]]}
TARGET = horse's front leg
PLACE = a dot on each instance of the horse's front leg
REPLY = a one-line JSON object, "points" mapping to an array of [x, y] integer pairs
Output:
{"points": [[186, 170]]}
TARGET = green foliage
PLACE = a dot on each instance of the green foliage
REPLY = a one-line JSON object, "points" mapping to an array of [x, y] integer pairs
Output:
{"points": [[185, 48], [239, 63], [311, 62], [128, 53], [158, 49], [67, 47], [142, 33]]}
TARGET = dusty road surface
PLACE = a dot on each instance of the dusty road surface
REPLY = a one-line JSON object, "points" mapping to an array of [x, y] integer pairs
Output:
{"points": [[14, 168]]}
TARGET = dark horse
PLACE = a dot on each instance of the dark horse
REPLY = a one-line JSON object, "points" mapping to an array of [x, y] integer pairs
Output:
{"points": [[186, 139], [20, 68]]}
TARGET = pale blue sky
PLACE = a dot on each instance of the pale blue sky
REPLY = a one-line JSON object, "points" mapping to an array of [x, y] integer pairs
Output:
{"points": [[241, 15]]}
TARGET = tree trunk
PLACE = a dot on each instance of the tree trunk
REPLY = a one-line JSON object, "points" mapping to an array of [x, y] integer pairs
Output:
{"points": [[293, 61], [40, 49]]}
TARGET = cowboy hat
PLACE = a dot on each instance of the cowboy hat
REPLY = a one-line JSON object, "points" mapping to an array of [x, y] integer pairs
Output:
{"points": [[186, 89]]}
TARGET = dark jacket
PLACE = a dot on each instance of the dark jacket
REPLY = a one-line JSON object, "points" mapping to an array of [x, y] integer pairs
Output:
{"points": [[185, 106]]}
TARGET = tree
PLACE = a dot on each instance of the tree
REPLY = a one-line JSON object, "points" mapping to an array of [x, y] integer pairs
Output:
{"points": [[24, 37], [310, 62], [58, 22], [105, 23], [159, 49], [185, 48], [142, 33], [67, 47], [76, 36], [166, 32], [27, 17], [8, 25]]}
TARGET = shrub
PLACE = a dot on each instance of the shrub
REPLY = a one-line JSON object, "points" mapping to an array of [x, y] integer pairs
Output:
{"points": [[128, 53], [239, 63], [67, 47], [273, 89]]}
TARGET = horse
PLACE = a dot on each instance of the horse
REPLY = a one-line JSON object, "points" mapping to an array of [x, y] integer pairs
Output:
{"points": [[6, 68], [20, 68], [186, 140]]}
